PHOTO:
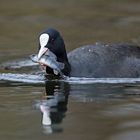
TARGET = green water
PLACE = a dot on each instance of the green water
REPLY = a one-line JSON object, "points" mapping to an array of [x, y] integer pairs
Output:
{"points": [[88, 111]]}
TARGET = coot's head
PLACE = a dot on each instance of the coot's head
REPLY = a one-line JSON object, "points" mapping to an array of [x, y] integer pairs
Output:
{"points": [[52, 40]]}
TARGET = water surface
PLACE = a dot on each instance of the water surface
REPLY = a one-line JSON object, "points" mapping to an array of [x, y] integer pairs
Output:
{"points": [[93, 109]]}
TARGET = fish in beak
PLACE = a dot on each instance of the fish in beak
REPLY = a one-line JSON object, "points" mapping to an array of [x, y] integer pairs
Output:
{"points": [[43, 39]]}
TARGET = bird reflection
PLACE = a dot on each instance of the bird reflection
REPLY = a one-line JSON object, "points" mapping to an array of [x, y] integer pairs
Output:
{"points": [[54, 105]]}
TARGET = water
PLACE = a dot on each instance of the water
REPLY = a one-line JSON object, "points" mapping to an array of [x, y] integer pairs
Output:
{"points": [[96, 111], [78, 108]]}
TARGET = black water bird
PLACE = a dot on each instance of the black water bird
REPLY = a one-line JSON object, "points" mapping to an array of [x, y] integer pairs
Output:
{"points": [[98, 60]]}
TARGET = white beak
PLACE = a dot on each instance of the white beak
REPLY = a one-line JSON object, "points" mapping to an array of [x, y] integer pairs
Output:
{"points": [[46, 120], [43, 39], [42, 51]]}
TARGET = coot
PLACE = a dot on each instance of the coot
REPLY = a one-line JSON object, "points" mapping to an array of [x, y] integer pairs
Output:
{"points": [[98, 60]]}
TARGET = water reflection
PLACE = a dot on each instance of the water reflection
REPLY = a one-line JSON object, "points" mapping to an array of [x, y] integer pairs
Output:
{"points": [[107, 111], [109, 101], [54, 105]]}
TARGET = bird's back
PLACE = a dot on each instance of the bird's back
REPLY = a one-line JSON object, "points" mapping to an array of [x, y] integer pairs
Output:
{"points": [[105, 60]]}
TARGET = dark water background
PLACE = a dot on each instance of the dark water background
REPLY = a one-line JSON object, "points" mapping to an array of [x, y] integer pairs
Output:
{"points": [[93, 111]]}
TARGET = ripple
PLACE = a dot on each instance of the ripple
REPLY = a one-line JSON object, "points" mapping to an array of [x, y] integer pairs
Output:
{"points": [[123, 110], [16, 64], [129, 135], [77, 80], [25, 78], [39, 78]]}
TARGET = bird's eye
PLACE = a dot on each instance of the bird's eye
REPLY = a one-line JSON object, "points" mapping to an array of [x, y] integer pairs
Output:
{"points": [[52, 39]]}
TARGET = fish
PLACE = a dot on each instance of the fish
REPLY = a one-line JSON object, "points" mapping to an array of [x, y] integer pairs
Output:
{"points": [[50, 61]]}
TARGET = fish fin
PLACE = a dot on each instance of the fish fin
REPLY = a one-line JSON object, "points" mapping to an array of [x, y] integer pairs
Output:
{"points": [[55, 72], [61, 65]]}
